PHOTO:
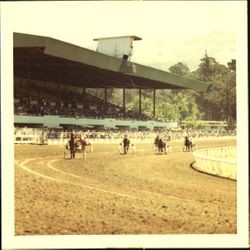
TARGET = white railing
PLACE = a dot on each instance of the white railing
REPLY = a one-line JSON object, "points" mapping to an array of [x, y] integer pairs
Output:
{"points": [[218, 161], [31, 139]]}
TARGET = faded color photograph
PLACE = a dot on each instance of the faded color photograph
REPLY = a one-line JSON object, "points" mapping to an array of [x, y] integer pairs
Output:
{"points": [[126, 120]]}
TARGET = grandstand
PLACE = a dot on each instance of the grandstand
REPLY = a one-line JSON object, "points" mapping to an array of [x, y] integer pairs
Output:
{"points": [[51, 78]]}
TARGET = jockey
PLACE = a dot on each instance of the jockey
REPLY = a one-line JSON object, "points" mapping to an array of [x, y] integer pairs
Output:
{"points": [[72, 146], [161, 145], [126, 143], [186, 140], [83, 142], [88, 143], [157, 140]]}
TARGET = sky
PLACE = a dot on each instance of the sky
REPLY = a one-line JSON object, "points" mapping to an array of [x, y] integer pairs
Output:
{"points": [[171, 31]]}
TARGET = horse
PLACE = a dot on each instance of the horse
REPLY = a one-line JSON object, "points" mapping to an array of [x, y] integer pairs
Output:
{"points": [[78, 146], [156, 141], [161, 146], [131, 146], [188, 144]]}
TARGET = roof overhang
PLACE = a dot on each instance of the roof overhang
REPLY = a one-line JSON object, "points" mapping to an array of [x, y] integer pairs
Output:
{"points": [[135, 38], [48, 59]]}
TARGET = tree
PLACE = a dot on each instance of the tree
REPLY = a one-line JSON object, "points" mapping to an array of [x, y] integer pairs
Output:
{"points": [[230, 94], [232, 65], [219, 102], [206, 68], [167, 112], [179, 69], [184, 101]]}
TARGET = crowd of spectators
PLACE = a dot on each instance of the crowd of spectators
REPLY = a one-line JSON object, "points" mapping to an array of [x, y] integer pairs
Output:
{"points": [[67, 103], [111, 135]]}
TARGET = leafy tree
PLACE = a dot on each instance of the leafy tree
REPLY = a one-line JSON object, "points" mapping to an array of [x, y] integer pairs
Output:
{"points": [[168, 112], [147, 106], [183, 100], [179, 69], [232, 65], [219, 102], [133, 104], [207, 68], [230, 90]]}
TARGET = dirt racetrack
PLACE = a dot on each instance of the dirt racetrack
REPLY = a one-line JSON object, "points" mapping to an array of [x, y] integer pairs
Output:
{"points": [[109, 193]]}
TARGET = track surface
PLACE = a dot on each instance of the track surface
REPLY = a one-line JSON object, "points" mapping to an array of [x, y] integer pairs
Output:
{"points": [[109, 193]]}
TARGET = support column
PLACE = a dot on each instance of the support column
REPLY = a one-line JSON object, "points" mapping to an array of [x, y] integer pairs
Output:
{"points": [[154, 103], [123, 103], [139, 103]]}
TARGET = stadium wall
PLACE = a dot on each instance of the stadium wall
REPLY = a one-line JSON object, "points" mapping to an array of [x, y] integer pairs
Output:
{"points": [[56, 121]]}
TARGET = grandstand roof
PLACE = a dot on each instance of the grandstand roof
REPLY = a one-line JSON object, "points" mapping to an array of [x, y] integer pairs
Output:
{"points": [[51, 60], [136, 38]]}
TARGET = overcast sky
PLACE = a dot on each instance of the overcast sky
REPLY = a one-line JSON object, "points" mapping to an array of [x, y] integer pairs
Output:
{"points": [[171, 31]]}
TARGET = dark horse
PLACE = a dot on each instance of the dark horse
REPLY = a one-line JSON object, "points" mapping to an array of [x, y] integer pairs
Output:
{"points": [[160, 145], [188, 144], [126, 144], [76, 145]]}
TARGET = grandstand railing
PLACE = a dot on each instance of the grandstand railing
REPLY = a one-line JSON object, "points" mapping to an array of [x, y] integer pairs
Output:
{"points": [[220, 161], [51, 136], [38, 138]]}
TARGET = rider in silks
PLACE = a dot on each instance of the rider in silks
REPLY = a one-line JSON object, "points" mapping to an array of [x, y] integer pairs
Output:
{"points": [[126, 143], [156, 141], [83, 144]]}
